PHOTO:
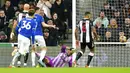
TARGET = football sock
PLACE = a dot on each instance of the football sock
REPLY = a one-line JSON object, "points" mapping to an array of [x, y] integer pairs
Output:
{"points": [[90, 56]]}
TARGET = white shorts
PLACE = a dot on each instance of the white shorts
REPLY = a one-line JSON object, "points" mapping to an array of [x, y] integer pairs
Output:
{"points": [[40, 40], [23, 44]]}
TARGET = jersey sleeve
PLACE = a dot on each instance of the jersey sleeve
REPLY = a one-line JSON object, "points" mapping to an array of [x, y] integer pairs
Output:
{"points": [[18, 26], [70, 62], [42, 19]]}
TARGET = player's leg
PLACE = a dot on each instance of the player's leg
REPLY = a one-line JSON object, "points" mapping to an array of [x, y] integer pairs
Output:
{"points": [[48, 61], [33, 56], [43, 61], [19, 61], [15, 50], [80, 53], [43, 48], [41, 42], [26, 50], [14, 54], [17, 53], [91, 54]]}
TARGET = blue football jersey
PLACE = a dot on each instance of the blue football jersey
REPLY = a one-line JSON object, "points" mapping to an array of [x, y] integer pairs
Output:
{"points": [[39, 20], [27, 28]]}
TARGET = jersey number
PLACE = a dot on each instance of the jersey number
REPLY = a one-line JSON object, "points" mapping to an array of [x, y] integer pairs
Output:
{"points": [[26, 25]]}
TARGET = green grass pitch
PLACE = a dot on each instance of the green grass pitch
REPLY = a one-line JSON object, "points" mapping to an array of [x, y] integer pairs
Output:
{"points": [[64, 70]]}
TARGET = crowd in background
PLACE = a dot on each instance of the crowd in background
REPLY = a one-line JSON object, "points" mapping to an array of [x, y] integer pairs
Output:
{"points": [[56, 12], [113, 21]]}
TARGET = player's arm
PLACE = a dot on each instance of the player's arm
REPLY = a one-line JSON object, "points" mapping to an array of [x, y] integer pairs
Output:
{"points": [[70, 63], [46, 25], [76, 36], [13, 28], [17, 27], [33, 32], [76, 33], [94, 32]]}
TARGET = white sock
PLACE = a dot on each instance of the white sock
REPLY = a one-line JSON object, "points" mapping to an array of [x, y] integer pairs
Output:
{"points": [[91, 54], [73, 56], [14, 58], [42, 55], [33, 58]]}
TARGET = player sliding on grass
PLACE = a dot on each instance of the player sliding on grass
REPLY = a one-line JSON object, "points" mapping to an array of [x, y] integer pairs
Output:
{"points": [[63, 58]]}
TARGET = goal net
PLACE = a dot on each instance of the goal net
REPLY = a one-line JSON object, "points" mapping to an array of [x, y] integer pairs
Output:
{"points": [[111, 18]]}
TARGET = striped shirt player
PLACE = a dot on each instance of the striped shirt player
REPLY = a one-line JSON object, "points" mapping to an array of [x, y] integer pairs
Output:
{"points": [[85, 27], [60, 60]]}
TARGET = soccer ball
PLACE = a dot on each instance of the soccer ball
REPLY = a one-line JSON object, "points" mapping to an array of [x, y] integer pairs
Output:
{"points": [[122, 39]]}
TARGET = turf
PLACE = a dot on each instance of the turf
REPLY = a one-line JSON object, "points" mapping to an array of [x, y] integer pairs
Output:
{"points": [[65, 70]]}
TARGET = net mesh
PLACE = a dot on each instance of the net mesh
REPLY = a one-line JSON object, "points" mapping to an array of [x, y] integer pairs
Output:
{"points": [[113, 30]]}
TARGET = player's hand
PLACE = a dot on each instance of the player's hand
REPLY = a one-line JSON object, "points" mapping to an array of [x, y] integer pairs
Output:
{"points": [[53, 26], [11, 35], [77, 43], [14, 52], [33, 47]]}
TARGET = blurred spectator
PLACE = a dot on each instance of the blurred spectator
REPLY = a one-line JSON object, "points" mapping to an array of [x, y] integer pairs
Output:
{"points": [[102, 20], [8, 9], [11, 23], [126, 8], [20, 6], [45, 5], [116, 4], [126, 27], [59, 8], [122, 37], [47, 37], [44, 15], [4, 26], [53, 34], [32, 5], [108, 11], [119, 18], [68, 11], [113, 23], [129, 12], [15, 2], [108, 36], [127, 22], [61, 26]]}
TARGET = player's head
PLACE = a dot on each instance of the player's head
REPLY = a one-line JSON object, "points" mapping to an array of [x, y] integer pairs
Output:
{"points": [[69, 51], [31, 12], [87, 15], [37, 9], [26, 7]]}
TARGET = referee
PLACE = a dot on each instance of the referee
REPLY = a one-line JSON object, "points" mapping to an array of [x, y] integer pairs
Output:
{"points": [[85, 27]]}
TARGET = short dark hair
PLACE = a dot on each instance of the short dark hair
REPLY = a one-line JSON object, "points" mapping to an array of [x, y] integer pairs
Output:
{"points": [[1, 10], [31, 12], [87, 13], [37, 8]]}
